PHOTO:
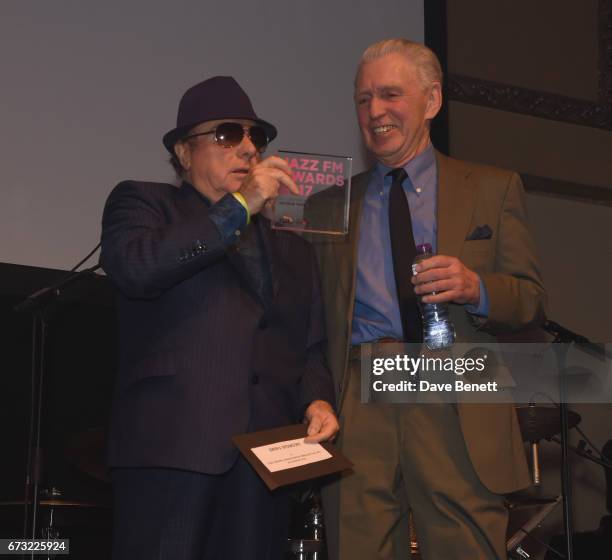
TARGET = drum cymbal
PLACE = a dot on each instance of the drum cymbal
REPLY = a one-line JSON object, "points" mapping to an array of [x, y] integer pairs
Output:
{"points": [[55, 502], [540, 422]]}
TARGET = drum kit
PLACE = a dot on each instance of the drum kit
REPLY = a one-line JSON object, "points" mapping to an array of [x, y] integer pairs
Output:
{"points": [[66, 514], [86, 524]]}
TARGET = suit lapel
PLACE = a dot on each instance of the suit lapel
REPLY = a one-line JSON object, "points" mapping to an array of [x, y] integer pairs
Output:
{"points": [[262, 237], [269, 250], [235, 259], [347, 252], [456, 198]]}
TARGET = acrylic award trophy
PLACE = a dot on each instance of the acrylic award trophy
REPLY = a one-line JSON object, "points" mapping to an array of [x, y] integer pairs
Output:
{"points": [[322, 205]]}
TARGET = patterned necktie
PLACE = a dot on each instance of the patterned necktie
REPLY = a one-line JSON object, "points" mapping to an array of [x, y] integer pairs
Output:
{"points": [[403, 250]]}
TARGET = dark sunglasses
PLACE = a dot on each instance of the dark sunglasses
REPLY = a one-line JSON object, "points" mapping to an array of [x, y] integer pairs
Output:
{"points": [[229, 135]]}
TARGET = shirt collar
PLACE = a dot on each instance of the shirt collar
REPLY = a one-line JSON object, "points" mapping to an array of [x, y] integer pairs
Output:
{"points": [[417, 168]]}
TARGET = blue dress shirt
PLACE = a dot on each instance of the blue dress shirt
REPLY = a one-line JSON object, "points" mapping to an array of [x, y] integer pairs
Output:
{"points": [[376, 314]]}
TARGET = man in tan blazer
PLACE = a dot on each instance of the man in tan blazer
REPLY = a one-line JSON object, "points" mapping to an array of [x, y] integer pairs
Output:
{"points": [[449, 464]]}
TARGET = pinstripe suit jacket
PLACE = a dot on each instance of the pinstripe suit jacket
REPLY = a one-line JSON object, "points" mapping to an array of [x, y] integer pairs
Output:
{"points": [[201, 355]]}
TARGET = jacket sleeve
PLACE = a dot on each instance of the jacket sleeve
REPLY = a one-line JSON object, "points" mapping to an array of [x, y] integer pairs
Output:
{"points": [[146, 250], [517, 298]]}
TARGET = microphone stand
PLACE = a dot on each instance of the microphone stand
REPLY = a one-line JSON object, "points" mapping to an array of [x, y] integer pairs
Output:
{"points": [[563, 335], [39, 304]]}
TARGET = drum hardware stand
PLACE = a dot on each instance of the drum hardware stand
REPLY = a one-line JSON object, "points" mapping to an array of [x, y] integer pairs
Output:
{"points": [[311, 544], [513, 545], [40, 305], [565, 336]]}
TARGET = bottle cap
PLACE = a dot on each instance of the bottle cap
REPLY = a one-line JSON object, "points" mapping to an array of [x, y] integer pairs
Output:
{"points": [[424, 249]]}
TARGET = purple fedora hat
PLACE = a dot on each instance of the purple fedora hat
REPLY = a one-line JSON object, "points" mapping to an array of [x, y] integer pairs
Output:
{"points": [[216, 98]]}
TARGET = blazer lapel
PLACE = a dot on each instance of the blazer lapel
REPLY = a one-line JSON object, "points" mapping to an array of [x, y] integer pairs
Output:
{"points": [[269, 249], [347, 252], [237, 262], [456, 198]]}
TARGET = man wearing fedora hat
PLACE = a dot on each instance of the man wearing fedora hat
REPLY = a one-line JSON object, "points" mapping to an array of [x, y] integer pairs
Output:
{"points": [[220, 332]]}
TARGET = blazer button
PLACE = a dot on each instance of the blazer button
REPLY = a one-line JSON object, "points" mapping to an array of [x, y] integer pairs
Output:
{"points": [[255, 379]]}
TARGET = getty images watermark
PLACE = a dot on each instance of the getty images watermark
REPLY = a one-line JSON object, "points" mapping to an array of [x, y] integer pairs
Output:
{"points": [[402, 363], [486, 373]]}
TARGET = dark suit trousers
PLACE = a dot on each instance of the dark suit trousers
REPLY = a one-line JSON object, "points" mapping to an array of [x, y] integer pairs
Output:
{"points": [[170, 514]]}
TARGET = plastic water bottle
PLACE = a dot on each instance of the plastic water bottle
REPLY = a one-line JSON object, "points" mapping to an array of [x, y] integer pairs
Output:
{"points": [[438, 329]]}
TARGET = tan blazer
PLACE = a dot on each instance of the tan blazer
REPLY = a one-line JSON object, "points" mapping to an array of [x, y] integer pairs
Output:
{"points": [[469, 195]]}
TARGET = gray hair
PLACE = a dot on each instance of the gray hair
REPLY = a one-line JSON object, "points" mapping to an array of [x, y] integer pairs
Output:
{"points": [[424, 59]]}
